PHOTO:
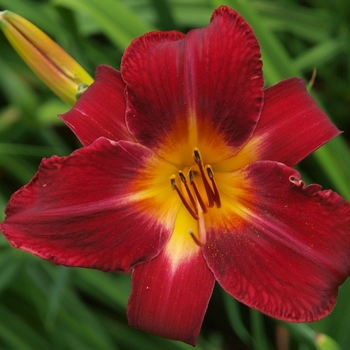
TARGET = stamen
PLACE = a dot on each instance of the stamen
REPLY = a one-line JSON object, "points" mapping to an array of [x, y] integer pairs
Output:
{"points": [[198, 195], [188, 207], [197, 158], [192, 196], [217, 199], [196, 240], [184, 181]]}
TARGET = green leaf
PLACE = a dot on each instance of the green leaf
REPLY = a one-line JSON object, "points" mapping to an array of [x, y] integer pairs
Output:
{"points": [[235, 318], [9, 269], [116, 20], [260, 340], [319, 55], [16, 334]]}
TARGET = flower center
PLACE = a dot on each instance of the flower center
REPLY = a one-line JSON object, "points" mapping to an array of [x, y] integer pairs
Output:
{"points": [[197, 190]]}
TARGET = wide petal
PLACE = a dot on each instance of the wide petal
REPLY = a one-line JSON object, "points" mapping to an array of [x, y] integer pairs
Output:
{"points": [[279, 246], [170, 294], [291, 127], [100, 111], [203, 90], [107, 206]]}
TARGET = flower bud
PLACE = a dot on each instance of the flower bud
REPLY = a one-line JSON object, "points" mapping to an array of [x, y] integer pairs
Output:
{"points": [[59, 71]]}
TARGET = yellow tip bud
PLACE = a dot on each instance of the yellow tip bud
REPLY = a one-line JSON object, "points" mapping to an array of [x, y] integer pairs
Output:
{"points": [[59, 71]]}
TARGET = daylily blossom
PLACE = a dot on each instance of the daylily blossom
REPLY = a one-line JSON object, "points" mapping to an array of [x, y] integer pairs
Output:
{"points": [[48, 60], [185, 178]]}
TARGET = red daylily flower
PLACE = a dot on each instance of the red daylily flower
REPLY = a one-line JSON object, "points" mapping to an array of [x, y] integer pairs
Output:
{"points": [[185, 178]]}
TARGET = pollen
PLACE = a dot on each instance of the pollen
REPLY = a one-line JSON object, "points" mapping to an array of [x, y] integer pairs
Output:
{"points": [[197, 189]]}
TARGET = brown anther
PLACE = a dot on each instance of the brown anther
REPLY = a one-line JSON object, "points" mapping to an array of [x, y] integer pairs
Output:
{"points": [[216, 198], [173, 182], [182, 176], [189, 193], [197, 156], [210, 195]]}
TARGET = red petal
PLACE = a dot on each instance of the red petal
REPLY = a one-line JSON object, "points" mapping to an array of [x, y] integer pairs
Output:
{"points": [[170, 294], [104, 207], [281, 247], [291, 127], [100, 111], [291, 120], [201, 90]]}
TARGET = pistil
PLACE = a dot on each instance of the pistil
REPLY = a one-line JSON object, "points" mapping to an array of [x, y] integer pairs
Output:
{"points": [[196, 240]]}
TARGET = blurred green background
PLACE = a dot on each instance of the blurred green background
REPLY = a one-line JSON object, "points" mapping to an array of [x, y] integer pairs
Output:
{"points": [[43, 306]]}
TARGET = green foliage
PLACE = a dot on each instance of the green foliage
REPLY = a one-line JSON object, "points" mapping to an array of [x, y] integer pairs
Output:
{"points": [[48, 307]]}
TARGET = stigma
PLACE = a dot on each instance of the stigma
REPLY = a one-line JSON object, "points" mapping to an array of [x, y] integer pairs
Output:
{"points": [[197, 190]]}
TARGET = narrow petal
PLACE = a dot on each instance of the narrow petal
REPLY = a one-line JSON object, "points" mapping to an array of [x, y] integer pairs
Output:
{"points": [[59, 71], [279, 246], [100, 111], [170, 294], [106, 206], [291, 127], [203, 90]]}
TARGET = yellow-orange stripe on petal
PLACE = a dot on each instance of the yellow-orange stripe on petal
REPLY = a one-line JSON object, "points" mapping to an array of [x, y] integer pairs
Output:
{"points": [[59, 71], [170, 293], [182, 245], [170, 303]]}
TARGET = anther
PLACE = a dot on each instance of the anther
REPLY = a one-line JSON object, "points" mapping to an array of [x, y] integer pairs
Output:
{"points": [[197, 156], [189, 193], [173, 182], [216, 192], [210, 195]]}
